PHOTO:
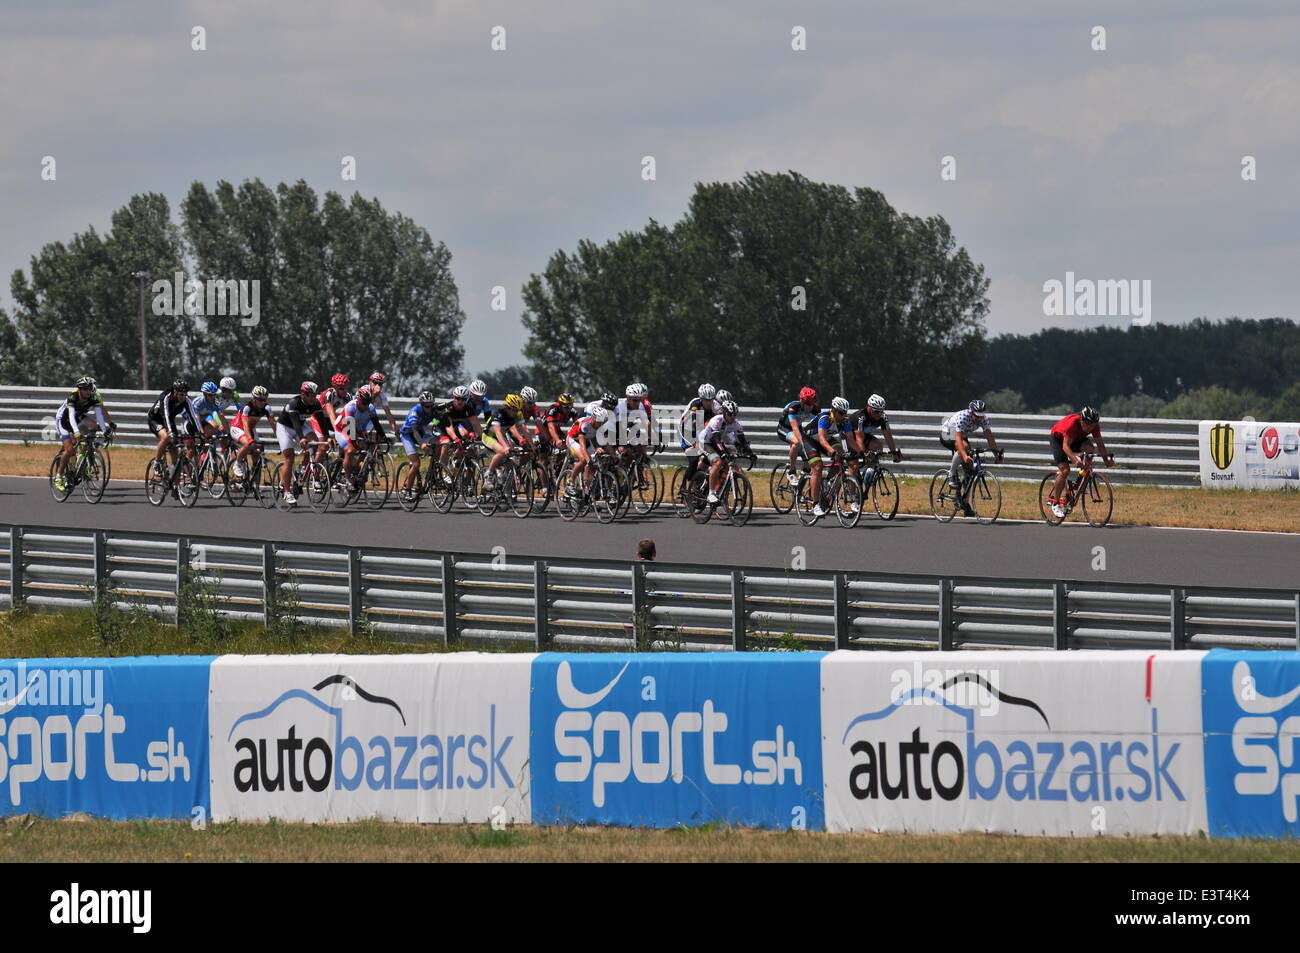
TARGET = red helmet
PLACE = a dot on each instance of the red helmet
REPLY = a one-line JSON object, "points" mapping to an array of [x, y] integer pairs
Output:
{"points": [[308, 387], [340, 381], [807, 393], [377, 378]]}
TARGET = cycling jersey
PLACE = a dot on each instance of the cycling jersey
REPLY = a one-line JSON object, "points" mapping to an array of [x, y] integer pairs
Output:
{"points": [[167, 408], [479, 407], [297, 413], [963, 422], [365, 417], [717, 433], [249, 415], [864, 422], [795, 410], [1071, 426], [73, 411], [585, 426], [695, 411], [634, 422], [826, 425], [419, 420], [506, 417], [206, 411], [559, 414], [336, 397]]}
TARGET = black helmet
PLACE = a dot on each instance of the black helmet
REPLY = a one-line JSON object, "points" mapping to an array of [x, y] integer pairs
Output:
{"points": [[180, 384], [609, 401], [1090, 415]]}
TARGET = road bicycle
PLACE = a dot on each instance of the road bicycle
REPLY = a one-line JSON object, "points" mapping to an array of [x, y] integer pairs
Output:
{"points": [[88, 468], [840, 491], [879, 483], [784, 491], [980, 493], [735, 494], [422, 485], [256, 481], [511, 486], [368, 482], [645, 480], [309, 479], [460, 479], [597, 491], [1085, 486], [214, 456], [181, 481]]}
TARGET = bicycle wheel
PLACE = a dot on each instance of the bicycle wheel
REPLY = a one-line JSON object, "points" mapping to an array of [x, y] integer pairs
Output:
{"points": [[605, 496], [94, 478], [680, 493], [738, 499], [623, 480], [543, 486], [519, 489], [701, 509], [407, 499], [779, 488], [847, 494], [1098, 500], [884, 493], [568, 496], [375, 488], [442, 487], [804, 504], [945, 500], [487, 497], [239, 489], [340, 485], [187, 483], [316, 487], [155, 483], [266, 482], [214, 475], [641, 482], [1045, 508], [66, 492], [985, 497]]}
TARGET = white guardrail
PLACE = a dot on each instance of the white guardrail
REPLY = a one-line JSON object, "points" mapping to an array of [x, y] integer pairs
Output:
{"points": [[584, 603], [1147, 450]]}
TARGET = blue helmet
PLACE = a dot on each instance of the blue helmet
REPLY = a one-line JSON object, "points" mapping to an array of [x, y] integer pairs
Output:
{"points": [[210, 388]]}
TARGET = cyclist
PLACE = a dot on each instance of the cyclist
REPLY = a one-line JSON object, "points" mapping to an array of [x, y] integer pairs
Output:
{"points": [[291, 430], [480, 408], [207, 410], [422, 426], [697, 414], [557, 419], [607, 401], [582, 442], [335, 397], [228, 399], [505, 428], [722, 430], [171, 418], [634, 415], [81, 412], [243, 429], [790, 427], [1069, 439], [952, 434], [863, 427], [378, 402], [359, 416], [825, 437]]}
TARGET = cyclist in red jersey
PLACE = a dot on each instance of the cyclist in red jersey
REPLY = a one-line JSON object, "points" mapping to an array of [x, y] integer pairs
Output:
{"points": [[1070, 437]]}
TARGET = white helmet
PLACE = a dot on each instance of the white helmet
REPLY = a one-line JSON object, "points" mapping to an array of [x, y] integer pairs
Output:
{"points": [[707, 392], [477, 388], [876, 402], [461, 391], [529, 395], [599, 414], [724, 396], [841, 404], [635, 390], [227, 383]]}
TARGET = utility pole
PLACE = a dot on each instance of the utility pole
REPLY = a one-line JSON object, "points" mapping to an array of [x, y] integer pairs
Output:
{"points": [[140, 276], [842, 394]]}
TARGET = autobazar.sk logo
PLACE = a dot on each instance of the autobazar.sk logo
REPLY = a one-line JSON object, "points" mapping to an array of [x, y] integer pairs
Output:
{"points": [[1022, 768], [385, 762], [580, 738], [1264, 741]]}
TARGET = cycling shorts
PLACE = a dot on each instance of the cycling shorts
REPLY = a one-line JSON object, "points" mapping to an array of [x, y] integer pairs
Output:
{"points": [[241, 435], [1058, 448]]}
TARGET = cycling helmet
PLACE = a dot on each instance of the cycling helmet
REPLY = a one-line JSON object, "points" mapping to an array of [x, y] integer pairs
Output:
{"points": [[642, 390], [608, 401], [426, 397], [976, 407], [260, 392], [363, 395], [876, 402], [227, 383], [461, 391], [514, 402], [840, 404], [477, 388], [807, 393], [1090, 415], [599, 414], [729, 407], [528, 394], [340, 381], [377, 378], [209, 387], [86, 382], [180, 384], [308, 387], [631, 391], [724, 396], [565, 400], [707, 392]]}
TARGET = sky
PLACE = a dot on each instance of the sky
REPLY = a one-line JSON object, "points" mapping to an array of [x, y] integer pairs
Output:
{"points": [[1122, 163]]}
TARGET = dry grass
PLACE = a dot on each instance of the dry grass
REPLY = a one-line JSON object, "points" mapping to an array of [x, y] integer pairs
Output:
{"points": [[89, 841]]}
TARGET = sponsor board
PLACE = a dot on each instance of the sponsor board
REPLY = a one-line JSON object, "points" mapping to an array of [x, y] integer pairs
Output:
{"points": [[1252, 743], [1079, 743], [663, 740], [1248, 454], [116, 738], [427, 738]]}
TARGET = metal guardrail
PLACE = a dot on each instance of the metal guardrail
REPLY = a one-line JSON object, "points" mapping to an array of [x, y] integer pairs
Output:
{"points": [[1148, 450], [576, 603]]}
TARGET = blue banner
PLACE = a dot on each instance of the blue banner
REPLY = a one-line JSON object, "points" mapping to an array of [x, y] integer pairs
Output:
{"points": [[667, 740], [1251, 718], [115, 738]]}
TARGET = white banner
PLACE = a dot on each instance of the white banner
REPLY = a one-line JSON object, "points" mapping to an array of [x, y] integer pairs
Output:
{"points": [[1056, 743], [426, 738], [1248, 454]]}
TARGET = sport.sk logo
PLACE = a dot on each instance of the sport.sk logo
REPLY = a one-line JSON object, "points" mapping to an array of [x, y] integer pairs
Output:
{"points": [[387, 761], [581, 739], [1005, 762], [1265, 745]]}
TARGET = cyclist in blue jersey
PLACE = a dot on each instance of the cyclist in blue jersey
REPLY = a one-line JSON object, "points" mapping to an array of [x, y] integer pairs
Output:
{"points": [[422, 426], [825, 437]]}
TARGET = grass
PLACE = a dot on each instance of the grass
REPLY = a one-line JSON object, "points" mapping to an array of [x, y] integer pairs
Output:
{"points": [[38, 840], [1266, 510]]}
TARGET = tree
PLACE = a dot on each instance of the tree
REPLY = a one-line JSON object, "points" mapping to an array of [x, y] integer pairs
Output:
{"points": [[1216, 402]]}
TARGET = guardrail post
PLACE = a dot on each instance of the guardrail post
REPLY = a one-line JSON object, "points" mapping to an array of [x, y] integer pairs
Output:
{"points": [[449, 611], [640, 610], [182, 572], [1297, 620], [269, 581], [945, 615], [841, 610], [354, 592], [1177, 619], [101, 565], [1060, 617], [15, 568], [738, 610], [541, 607]]}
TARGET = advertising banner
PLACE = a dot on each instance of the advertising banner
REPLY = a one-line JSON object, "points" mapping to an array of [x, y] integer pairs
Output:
{"points": [[425, 738], [667, 740], [1247, 454], [1252, 743], [115, 738], [1055, 743]]}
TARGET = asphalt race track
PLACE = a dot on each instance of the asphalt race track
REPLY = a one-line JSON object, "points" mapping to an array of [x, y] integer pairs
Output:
{"points": [[907, 544]]}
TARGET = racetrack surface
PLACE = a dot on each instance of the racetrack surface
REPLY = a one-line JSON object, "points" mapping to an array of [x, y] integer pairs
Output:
{"points": [[906, 545]]}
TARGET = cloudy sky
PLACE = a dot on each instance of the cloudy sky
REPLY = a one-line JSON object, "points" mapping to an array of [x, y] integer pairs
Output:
{"points": [[1122, 163]]}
